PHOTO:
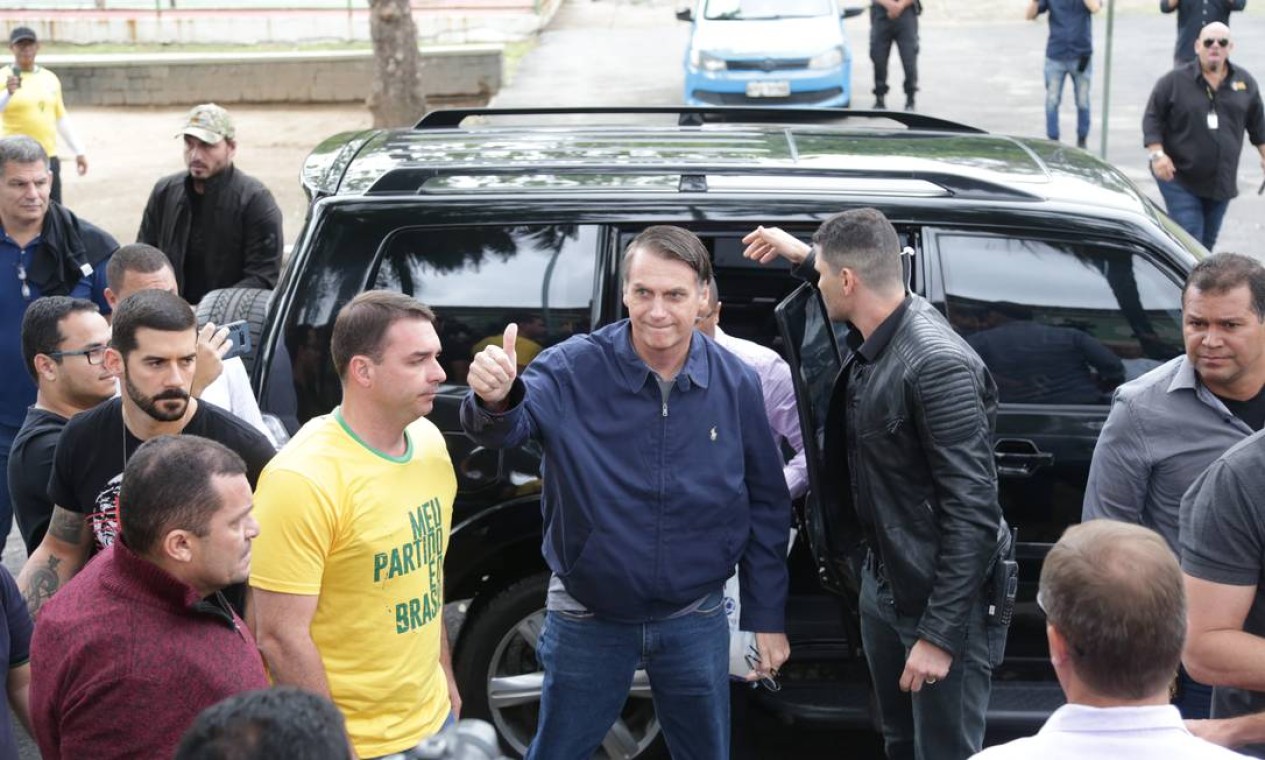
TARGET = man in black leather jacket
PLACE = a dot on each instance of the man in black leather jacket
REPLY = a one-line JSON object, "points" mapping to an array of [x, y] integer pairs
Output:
{"points": [[909, 442]]}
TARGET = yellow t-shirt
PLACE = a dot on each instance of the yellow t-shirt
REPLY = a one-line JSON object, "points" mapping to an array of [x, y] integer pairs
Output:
{"points": [[35, 107], [367, 534]]}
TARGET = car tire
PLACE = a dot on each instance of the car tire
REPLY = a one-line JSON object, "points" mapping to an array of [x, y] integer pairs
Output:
{"points": [[501, 680], [233, 304]]}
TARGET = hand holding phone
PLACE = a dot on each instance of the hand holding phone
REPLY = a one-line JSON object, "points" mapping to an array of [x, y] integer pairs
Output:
{"points": [[239, 334]]}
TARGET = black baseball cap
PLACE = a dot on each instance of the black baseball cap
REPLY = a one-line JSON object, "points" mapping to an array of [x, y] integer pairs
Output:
{"points": [[22, 34]]}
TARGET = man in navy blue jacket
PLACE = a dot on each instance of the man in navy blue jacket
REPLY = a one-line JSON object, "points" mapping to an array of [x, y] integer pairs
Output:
{"points": [[660, 475]]}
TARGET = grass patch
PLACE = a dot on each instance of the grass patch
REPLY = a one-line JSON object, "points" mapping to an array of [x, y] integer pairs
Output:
{"points": [[513, 56]]}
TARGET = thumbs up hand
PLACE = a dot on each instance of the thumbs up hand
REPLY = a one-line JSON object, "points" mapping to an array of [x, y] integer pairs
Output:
{"points": [[493, 370]]}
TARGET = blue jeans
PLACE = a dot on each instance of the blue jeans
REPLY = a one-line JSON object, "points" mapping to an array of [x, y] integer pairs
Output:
{"points": [[1056, 72], [1201, 217], [589, 665], [946, 719]]}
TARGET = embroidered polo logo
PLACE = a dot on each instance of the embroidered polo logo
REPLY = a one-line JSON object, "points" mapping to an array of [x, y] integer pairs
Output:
{"points": [[713, 434]]}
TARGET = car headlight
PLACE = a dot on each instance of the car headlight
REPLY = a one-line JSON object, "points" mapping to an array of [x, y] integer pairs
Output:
{"points": [[706, 61], [831, 59]]}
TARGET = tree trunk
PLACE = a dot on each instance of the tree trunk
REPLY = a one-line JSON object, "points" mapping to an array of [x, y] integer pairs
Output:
{"points": [[396, 98]]}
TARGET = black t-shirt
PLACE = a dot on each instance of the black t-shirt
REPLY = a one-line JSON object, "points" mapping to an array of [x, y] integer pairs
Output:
{"points": [[195, 258], [30, 463], [1251, 411], [88, 465]]}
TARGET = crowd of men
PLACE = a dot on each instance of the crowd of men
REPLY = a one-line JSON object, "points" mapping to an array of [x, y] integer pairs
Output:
{"points": [[304, 587]]}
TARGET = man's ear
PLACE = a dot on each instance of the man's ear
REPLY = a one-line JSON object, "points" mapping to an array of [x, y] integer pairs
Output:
{"points": [[177, 546], [360, 371], [1059, 648], [112, 299], [848, 279], [113, 362], [45, 367]]}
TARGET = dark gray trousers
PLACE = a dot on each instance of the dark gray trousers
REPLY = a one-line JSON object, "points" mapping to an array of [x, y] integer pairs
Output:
{"points": [[903, 30], [944, 721]]}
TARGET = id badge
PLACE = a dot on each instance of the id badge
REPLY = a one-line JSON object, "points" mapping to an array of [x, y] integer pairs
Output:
{"points": [[1212, 120]]}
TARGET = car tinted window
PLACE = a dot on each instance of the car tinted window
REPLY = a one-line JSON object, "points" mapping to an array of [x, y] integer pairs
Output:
{"points": [[1057, 322], [479, 279]]}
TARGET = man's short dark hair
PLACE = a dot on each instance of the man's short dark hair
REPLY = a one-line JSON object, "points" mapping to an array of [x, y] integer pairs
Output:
{"points": [[1114, 591], [864, 241], [134, 257], [168, 484], [281, 723], [21, 149], [41, 326], [361, 326], [669, 242], [152, 309], [1223, 272]]}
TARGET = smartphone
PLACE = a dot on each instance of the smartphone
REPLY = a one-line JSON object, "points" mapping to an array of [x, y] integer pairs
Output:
{"points": [[17, 72], [239, 333]]}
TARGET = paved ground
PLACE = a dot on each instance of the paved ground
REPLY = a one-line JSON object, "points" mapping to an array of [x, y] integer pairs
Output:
{"points": [[980, 63]]}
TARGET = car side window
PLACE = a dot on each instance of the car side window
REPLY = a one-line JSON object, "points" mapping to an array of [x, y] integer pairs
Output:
{"points": [[479, 279], [1059, 322]]}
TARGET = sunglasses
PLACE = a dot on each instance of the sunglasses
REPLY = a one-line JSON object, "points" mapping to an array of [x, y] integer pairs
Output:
{"points": [[753, 661], [1222, 41]]}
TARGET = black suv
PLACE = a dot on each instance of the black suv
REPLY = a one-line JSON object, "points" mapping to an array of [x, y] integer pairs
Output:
{"points": [[490, 221]]}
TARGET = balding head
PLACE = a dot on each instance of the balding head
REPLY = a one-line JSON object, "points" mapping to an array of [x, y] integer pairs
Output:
{"points": [[1113, 591], [1210, 48]]}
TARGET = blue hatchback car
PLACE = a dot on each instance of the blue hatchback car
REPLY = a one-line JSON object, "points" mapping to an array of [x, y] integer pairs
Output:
{"points": [[768, 53]]}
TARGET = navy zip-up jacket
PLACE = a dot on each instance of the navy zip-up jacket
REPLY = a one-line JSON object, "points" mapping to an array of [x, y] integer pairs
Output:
{"points": [[649, 506]]}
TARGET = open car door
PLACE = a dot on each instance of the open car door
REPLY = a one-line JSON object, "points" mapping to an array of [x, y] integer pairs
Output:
{"points": [[812, 350]]}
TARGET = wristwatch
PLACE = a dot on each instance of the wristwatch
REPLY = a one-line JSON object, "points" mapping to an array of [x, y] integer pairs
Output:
{"points": [[1156, 155]]}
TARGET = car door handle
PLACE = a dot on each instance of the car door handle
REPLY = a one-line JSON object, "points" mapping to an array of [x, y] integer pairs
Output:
{"points": [[1019, 457]]}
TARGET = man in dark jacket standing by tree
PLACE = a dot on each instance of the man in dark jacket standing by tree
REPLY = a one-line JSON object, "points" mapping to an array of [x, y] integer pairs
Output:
{"points": [[912, 464], [220, 227]]}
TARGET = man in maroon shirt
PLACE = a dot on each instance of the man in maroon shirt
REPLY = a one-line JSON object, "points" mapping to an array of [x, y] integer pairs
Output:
{"points": [[141, 641]]}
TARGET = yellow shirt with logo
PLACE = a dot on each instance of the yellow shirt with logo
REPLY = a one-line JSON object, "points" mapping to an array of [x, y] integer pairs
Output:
{"points": [[35, 107], [366, 533]]}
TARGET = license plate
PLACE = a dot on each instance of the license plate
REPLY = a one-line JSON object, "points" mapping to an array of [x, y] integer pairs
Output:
{"points": [[768, 89]]}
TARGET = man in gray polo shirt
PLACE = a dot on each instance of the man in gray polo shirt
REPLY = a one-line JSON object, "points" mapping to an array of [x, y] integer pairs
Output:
{"points": [[1167, 426], [1223, 558]]}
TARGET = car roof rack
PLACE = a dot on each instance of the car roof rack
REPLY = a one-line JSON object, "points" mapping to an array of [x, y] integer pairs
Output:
{"points": [[412, 178], [695, 116]]}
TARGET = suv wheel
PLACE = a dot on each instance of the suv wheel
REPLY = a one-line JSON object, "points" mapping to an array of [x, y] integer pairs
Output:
{"points": [[501, 680]]}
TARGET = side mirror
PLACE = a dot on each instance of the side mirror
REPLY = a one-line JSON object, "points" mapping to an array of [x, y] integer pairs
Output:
{"points": [[852, 12], [685, 15]]}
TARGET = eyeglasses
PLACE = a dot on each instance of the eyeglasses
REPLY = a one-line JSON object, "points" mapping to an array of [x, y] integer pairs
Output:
{"points": [[1210, 41], [94, 354], [753, 662]]}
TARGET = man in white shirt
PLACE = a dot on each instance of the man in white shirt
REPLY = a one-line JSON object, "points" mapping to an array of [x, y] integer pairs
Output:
{"points": [[222, 382], [1115, 612]]}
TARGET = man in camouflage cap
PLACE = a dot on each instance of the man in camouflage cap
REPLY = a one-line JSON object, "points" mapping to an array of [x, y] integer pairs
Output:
{"points": [[220, 227]]}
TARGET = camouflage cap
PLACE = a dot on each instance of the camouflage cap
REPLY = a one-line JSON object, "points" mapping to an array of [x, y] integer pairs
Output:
{"points": [[209, 123]]}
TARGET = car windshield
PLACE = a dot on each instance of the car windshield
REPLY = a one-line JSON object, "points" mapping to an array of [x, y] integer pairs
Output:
{"points": [[766, 9]]}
